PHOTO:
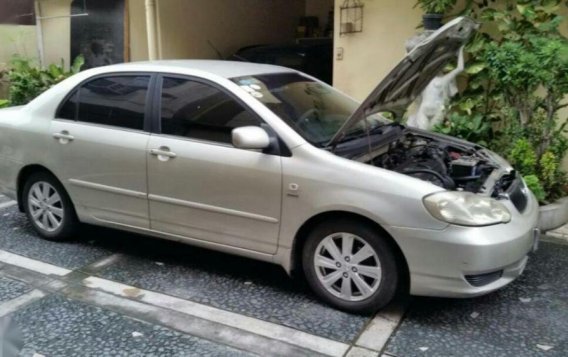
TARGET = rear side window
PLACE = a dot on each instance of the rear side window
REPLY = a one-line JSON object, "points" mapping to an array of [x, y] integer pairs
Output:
{"points": [[69, 109], [196, 110], [115, 100]]}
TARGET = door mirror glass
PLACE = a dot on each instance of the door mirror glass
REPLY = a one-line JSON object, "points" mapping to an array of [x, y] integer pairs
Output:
{"points": [[250, 138]]}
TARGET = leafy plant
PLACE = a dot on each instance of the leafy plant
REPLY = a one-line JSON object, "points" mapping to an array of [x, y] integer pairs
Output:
{"points": [[436, 6], [474, 129], [27, 80], [533, 183], [517, 79], [523, 157], [4, 103]]}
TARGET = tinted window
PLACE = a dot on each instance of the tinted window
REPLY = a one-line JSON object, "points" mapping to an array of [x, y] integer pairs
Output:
{"points": [[69, 109], [118, 101], [196, 110]]}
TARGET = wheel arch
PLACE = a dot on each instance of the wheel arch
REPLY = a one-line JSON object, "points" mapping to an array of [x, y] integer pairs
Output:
{"points": [[24, 174], [305, 229]]}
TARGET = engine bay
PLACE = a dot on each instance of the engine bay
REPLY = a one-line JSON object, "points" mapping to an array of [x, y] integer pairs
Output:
{"points": [[450, 165]]}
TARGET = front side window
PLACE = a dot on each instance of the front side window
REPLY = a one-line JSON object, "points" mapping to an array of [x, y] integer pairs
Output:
{"points": [[117, 101], [196, 110]]}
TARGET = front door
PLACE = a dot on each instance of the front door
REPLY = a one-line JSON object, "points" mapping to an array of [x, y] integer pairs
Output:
{"points": [[100, 147], [200, 186]]}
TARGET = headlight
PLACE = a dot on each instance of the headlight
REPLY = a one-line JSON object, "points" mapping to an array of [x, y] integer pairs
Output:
{"points": [[466, 209]]}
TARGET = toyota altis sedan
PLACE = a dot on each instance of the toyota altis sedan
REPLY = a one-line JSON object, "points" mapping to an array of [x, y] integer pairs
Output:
{"points": [[269, 163]]}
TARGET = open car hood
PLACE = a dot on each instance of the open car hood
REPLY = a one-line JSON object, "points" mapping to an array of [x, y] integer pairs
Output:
{"points": [[409, 78]]}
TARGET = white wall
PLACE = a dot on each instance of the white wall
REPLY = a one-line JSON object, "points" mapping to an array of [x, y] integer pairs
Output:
{"points": [[56, 32], [371, 54]]}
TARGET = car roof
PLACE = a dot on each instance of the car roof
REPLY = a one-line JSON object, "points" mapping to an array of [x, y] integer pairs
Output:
{"points": [[225, 69], [287, 46]]}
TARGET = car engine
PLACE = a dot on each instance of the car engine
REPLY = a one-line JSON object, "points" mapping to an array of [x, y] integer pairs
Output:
{"points": [[445, 164]]}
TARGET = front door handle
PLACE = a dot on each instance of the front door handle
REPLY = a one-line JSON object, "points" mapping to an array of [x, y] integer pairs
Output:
{"points": [[64, 137], [163, 153]]}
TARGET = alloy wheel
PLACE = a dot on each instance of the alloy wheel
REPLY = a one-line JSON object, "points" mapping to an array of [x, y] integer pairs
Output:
{"points": [[45, 206], [347, 266]]}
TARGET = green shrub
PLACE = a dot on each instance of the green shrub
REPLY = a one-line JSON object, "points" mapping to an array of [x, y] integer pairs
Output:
{"points": [[523, 157], [533, 183], [27, 80], [474, 128], [436, 6], [4, 103], [517, 79]]}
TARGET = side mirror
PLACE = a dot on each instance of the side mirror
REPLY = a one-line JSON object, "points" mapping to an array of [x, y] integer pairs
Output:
{"points": [[250, 138]]}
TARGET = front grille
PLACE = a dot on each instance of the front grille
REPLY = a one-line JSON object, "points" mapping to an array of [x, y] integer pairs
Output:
{"points": [[484, 279], [518, 195]]}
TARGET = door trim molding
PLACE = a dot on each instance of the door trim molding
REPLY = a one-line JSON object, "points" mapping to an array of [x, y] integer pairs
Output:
{"points": [[99, 187], [210, 208]]}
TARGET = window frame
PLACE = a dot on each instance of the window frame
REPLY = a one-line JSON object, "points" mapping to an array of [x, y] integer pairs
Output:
{"points": [[148, 108], [279, 148]]}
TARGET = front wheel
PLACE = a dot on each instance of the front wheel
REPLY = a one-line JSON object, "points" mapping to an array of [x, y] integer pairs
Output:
{"points": [[48, 207], [351, 266]]}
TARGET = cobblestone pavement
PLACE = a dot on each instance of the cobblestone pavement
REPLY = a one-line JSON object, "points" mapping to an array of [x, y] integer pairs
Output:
{"points": [[527, 318], [119, 294], [113, 293]]}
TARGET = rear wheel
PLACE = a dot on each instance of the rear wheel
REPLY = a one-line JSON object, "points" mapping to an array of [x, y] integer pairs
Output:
{"points": [[350, 266], [48, 207]]}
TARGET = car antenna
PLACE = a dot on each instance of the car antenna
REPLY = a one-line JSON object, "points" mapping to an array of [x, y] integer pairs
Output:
{"points": [[219, 54]]}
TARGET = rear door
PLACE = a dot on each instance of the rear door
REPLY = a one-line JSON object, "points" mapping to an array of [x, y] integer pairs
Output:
{"points": [[99, 141]]}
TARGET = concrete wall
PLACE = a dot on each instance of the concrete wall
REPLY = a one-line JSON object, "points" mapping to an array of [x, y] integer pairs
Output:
{"points": [[186, 26], [368, 56], [15, 39], [137, 25], [20, 39], [56, 32]]}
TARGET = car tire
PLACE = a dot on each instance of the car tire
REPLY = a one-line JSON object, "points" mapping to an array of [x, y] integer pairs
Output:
{"points": [[364, 279], [49, 208]]}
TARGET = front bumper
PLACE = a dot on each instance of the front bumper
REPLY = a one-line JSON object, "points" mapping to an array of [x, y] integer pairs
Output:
{"points": [[440, 260]]}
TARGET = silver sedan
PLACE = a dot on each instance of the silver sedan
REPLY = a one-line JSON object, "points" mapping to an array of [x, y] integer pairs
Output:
{"points": [[272, 164]]}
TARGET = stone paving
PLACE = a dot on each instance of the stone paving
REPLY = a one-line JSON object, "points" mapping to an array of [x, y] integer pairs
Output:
{"points": [[11, 289], [19, 237], [244, 286], [65, 322], [527, 318], [154, 312], [63, 327]]}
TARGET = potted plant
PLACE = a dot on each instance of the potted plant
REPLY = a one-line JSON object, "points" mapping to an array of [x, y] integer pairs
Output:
{"points": [[518, 80], [434, 11]]}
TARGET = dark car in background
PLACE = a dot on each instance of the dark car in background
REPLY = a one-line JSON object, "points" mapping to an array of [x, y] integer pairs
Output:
{"points": [[311, 56]]}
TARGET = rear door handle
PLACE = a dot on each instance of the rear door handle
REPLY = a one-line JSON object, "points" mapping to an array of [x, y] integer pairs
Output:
{"points": [[163, 153], [64, 137]]}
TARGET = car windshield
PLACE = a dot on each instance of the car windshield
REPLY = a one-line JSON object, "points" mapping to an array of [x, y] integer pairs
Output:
{"points": [[312, 108]]}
